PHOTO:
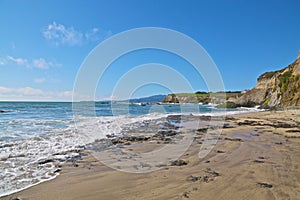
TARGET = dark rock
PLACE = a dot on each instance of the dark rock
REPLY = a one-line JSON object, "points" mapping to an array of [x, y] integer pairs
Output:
{"points": [[57, 170], [282, 125], [4, 111], [234, 139], [230, 118], [247, 122], [293, 131], [6, 145], [129, 138], [205, 118], [186, 195], [74, 164], [255, 134], [212, 172], [179, 163], [111, 136], [202, 130], [117, 141], [174, 117], [264, 185], [275, 124], [45, 161], [193, 178], [258, 161], [204, 179], [228, 126], [167, 132]]}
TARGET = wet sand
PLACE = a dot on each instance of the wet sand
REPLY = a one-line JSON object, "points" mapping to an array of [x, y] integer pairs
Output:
{"points": [[257, 156]]}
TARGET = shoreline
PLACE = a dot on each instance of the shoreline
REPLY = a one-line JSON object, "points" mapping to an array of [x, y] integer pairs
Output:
{"points": [[234, 135]]}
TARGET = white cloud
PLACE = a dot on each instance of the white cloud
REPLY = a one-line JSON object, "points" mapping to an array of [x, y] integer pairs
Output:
{"points": [[39, 63], [59, 34], [19, 61], [92, 35], [39, 80], [4, 90], [28, 91], [2, 61], [33, 94]]}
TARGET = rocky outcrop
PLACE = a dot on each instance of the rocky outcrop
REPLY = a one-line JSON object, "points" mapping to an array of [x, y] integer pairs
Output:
{"points": [[273, 89], [201, 97]]}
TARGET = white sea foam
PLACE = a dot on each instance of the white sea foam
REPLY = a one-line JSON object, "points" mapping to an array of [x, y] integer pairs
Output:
{"points": [[26, 162]]}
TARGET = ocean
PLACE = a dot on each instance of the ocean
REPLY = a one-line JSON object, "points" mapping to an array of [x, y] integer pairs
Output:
{"points": [[36, 137]]}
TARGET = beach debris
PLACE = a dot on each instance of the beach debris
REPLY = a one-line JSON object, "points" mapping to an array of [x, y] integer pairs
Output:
{"points": [[220, 151], [179, 163], [264, 185]]}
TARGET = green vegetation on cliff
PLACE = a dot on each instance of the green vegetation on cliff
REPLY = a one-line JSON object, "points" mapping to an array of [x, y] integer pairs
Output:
{"points": [[284, 80]]}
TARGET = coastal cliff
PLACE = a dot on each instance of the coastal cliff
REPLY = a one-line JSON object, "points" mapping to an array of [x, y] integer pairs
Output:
{"points": [[273, 89], [279, 88]]}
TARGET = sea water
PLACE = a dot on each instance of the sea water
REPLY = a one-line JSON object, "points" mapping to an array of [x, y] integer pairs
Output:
{"points": [[36, 137]]}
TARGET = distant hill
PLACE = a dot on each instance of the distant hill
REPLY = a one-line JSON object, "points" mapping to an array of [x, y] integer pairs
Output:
{"points": [[151, 99], [273, 89]]}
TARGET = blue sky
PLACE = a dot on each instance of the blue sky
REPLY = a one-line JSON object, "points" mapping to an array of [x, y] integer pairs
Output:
{"points": [[43, 43]]}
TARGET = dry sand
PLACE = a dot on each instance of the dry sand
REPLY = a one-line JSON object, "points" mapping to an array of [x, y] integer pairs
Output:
{"points": [[257, 157]]}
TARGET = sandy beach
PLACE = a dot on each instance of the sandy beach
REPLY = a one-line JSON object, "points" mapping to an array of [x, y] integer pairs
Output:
{"points": [[257, 156]]}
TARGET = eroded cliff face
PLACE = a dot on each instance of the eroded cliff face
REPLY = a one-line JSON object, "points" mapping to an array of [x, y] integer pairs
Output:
{"points": [[278, 88]]}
